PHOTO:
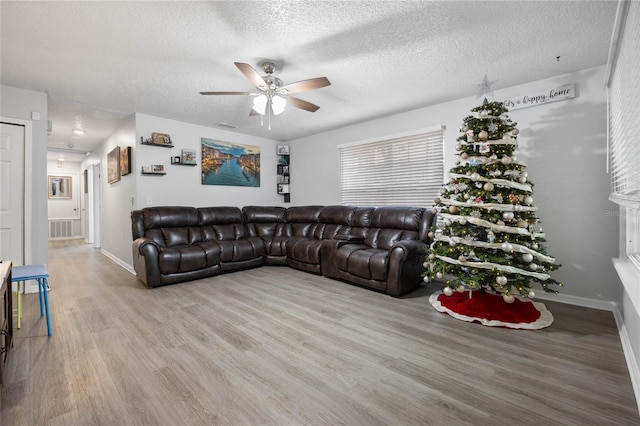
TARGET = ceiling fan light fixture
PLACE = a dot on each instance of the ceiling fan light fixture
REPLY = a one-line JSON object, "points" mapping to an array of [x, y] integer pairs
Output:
{"points": [[277, 104], [260, 104], [78, 131]]}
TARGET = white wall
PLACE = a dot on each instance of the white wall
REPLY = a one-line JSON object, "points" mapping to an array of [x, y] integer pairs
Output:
{"points": [[182, 186], [20, 103], [563, 145], [116, 198]]}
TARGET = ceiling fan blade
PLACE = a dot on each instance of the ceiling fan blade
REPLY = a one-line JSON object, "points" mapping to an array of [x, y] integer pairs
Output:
{"points": [[299, 103], [304, 85], [227, 93], [252, 75]]}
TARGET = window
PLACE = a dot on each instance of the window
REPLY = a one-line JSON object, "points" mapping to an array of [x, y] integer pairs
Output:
{"points": [[402, 170], [623, 92], [623, 82]]}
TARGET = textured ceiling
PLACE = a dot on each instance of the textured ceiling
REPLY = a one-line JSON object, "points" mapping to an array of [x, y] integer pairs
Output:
{"points": [[101, 61]]}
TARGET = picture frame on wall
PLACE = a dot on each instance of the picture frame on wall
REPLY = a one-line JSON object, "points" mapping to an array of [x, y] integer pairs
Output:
{"points": [[283, 188], [282, 149], [160, 139], [125, 161], [59, 187], [113, 165], [188, 156]]}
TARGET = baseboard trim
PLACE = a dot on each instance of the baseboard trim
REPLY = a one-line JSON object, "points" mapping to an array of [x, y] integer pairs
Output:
{"points": [[632, 365], [119, 261], [586, 302]]}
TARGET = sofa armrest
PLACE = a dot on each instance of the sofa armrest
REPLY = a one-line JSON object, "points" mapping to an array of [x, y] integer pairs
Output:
{"points": [[146, 261], [405, 266]]}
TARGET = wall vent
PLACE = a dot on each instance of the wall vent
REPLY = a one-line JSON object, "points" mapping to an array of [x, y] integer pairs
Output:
{"points": [[60, 229], [226, 125]]}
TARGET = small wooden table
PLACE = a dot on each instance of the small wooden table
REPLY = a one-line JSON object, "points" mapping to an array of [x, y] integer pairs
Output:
{"points": [[40, 274]]}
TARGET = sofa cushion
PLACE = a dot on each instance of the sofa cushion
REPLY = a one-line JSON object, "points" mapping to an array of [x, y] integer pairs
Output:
{"points": [[182, 258], [240, 250], [392, 224], [167, 226], [169, 217], [304, 250], [267, 223], [363, 261], [219, 215]]}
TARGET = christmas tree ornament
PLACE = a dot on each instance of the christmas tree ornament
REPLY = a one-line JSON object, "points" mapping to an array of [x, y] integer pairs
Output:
{"points": [[425, 265], [488, 186], [483, 135], [522, 224], [533, 266], [531, 295], [506, 247], [475, 176], [506, 160], [426, 279], [453, 209], [507, 215], [464, 155], [461, 258], [528, 200], [515, 131], [461, 288], [447, 291], [508, 298], [439, 275], [527, 257], [501, 279]]}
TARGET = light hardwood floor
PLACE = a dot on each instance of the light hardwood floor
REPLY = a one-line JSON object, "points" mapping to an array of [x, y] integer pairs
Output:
{"points": [[282, 347]]}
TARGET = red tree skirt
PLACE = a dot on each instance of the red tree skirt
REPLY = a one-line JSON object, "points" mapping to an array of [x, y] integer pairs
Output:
{"points": [[492, 310]]}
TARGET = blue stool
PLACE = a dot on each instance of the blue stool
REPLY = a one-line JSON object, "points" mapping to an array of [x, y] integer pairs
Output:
{"points": [[40, 274]]}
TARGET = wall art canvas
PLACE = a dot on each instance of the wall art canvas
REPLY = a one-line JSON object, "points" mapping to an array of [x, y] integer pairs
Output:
{"points": [[125, 161], [231, 164], [113, 165]]}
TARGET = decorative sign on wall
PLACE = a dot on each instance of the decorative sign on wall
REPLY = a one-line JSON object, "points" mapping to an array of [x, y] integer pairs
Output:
{"points": [[562, 93]]}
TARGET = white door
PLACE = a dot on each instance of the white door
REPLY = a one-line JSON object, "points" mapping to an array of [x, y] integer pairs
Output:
{"points": [[12, 144]]}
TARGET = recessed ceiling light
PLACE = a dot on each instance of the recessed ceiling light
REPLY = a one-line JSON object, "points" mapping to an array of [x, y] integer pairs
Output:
{"points": [[78, 131]]}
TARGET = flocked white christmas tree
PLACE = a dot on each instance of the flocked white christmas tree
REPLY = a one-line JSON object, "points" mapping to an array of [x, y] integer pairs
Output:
{"points": [[488, 236]]}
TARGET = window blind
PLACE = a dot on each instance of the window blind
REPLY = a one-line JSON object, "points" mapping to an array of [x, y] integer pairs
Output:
{"points": [[624, 111], [406, 170]]}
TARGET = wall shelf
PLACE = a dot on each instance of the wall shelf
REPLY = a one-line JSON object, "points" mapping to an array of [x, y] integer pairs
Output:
{"points": [[154, 173], [164, 145]]}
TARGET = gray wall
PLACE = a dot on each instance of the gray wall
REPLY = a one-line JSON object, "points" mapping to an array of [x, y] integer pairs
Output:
{"points": [[20, 103]]}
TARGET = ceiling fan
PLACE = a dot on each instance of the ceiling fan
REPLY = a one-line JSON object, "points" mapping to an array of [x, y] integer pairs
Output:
{"points": [[273, 95]]}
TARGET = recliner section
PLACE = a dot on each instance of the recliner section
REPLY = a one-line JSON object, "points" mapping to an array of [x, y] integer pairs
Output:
{"points": [[380, 248]]}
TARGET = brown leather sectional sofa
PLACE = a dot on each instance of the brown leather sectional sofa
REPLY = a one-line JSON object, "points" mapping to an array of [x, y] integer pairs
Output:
{"points": [[381, 248]]}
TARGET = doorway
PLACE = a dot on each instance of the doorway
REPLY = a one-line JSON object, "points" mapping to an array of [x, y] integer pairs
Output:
{"points": [[12, 190]]}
